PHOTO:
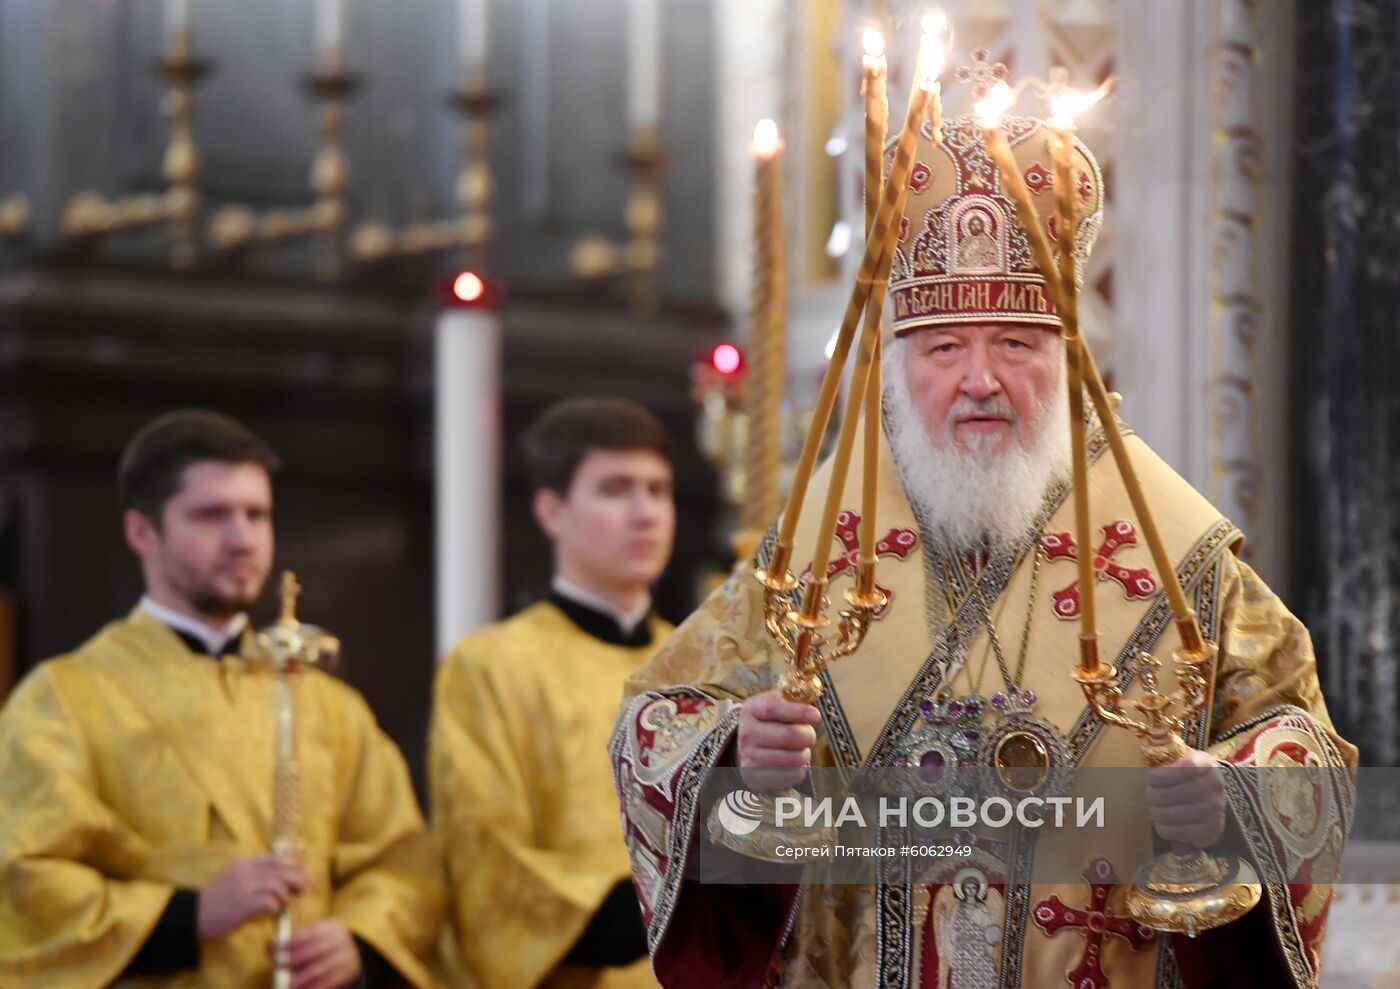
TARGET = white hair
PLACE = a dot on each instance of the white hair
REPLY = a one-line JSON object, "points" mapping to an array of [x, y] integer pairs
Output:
{"points": [[977, 497]]}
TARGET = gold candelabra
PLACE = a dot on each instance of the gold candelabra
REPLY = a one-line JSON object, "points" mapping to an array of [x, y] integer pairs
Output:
{"points": [[1186, 890], [596, 258], [373, 243], [287, 647], [89, 216], [237, 229], [810, 650]]}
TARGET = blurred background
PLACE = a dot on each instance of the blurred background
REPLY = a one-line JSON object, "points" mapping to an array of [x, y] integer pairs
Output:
{"points": [[261, 206]]}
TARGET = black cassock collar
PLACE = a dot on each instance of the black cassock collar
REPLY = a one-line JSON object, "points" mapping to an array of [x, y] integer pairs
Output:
{"points": [[601, 625]]}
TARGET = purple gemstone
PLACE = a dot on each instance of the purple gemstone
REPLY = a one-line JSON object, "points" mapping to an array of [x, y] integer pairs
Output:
{"points": [[998, 701], [926, 708], [931, 766], [974, 707], [971, 736], [954, 709], [1029, 696]]}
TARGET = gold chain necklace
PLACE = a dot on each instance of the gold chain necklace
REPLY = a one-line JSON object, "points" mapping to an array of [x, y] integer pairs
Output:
{"points": [[992, 639], [973, 583]]}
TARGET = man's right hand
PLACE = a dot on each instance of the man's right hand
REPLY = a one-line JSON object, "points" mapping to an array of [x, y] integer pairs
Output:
{"points": [[776, 736], [261, 886]]}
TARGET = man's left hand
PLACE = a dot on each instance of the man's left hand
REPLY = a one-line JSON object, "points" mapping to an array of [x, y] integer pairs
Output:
{"points": [[323, 956], [1187, 799]]}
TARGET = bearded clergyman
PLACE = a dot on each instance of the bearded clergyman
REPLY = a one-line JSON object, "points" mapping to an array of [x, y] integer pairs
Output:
{"points": [[980, 634]]}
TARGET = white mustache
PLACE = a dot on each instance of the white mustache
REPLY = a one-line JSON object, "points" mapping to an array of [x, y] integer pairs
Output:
{"points": [[966, 407]]}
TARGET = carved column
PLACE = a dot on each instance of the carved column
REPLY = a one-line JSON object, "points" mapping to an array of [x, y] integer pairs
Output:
{"points": [[1237, 315]]}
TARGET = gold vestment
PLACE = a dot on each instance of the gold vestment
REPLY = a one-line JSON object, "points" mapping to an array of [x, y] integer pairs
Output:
{"points": [[133, 767], [1267, 707], [522, 797]]}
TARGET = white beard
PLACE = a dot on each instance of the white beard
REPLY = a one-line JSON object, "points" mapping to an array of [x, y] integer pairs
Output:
{"points": [[976, 498]]}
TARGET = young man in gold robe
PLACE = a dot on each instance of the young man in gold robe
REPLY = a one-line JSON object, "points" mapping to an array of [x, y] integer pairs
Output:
{"points": [[975, 649], [136, 773], [521, 789]]}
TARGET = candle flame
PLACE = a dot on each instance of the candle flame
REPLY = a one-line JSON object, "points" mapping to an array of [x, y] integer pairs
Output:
{"points": [[934, 49], [1072, 102], [994, 105], [874, 43], [765, 139]]}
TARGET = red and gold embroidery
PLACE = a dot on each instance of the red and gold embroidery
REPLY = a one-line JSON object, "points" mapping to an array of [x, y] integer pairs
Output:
{"points": [[1096, 922], [1038, 178], [897, 543], [1136, 584]]}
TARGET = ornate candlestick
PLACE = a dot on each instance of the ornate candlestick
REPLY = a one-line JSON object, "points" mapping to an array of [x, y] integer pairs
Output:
{"points": [[1187, 890], [372, 243], [236, 229], [89, 216], [595, 257], [287, 648]]}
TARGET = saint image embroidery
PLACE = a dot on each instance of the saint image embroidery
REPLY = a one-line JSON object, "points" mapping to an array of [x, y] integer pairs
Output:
{"points": [[967, 916]]}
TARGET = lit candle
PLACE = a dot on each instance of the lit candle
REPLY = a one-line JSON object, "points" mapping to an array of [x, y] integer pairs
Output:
{"points": [[989, 112], [875, 277], [767, 335], [643, 64], [330, 29], [472, 31], [1062, 125], [936, 26], [874, 75]]}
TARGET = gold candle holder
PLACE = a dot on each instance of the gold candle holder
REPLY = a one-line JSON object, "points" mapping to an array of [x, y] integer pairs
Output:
{"points": [[239, 229], [375, 243], [596, 258], [287, 648], [89, 216], [1186, 890]]}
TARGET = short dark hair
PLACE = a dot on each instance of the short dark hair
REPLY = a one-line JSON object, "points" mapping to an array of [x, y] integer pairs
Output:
{"points": [[155, 458], [567, 431]]}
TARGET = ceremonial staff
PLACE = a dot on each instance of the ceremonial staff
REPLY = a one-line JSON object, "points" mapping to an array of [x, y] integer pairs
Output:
{"points": [[287, 647]]}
